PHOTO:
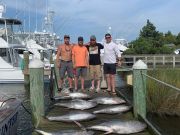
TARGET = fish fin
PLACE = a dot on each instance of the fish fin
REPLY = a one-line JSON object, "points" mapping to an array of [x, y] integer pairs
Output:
{"points": [[80, 125], [109, 132]]}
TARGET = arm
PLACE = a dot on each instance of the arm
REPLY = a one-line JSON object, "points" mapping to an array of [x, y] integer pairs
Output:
{"points": [[101, 46], [73, 57], [87, 57], [118, 54]]}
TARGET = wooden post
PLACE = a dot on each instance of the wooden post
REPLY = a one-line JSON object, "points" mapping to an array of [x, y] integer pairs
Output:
{"points": [[174, 61], [139, 88], [26, 67], [36, 71], [56, 78]]}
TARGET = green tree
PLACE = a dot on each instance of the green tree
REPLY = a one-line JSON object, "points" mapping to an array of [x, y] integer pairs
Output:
{"points": [[169, 38], [178, 39], [150, 41], [149, 31]]}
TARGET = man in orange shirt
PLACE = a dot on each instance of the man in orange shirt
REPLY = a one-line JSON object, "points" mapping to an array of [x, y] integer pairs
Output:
{"points": [[64, 61], [80, 60]]}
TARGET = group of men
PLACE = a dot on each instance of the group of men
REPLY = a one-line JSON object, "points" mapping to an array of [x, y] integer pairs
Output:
{"points": [[77, 59]]}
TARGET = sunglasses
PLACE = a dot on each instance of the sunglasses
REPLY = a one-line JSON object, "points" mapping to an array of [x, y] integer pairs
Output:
{"points": [[92, 40], [107, 37]]}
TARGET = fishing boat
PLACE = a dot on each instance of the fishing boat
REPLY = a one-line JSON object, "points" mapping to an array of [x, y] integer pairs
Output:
{"points": [[13, 42], [9, 111]]}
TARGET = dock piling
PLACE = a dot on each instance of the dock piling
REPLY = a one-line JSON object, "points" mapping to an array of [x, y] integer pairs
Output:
{"points": [[139, 88], [36, 71], [25, 68]]}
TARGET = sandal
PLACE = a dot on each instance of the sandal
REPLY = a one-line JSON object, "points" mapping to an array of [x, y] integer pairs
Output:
{"points": [[108, 90], [91, 89], [114, 93], [59, 89], [97, 90]]}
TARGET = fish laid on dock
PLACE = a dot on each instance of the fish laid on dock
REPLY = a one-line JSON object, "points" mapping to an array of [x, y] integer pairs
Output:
{"points": [[74, 95], [114, 109], [108, 100], [73, 116], [78, 104], [66, 132], [120, 127]]}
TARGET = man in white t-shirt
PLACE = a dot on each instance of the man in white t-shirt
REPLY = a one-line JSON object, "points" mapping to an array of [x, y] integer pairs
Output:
{"points": [[112, 56]]}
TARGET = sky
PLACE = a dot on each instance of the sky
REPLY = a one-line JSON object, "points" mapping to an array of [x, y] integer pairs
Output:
{"points": [[125, 18]]}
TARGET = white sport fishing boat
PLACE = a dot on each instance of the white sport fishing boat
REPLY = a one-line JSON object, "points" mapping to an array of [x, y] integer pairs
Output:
{"points": [[9, 111], [11, 50]]}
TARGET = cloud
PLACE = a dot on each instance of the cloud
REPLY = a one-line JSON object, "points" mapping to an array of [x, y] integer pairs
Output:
{"points": [[126, 17]]}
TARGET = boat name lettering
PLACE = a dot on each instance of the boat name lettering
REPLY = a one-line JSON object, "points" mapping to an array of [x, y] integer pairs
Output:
{"points": [[8, 125]]}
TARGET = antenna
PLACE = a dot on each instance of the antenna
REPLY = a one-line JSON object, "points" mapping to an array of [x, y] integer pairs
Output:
{"points": [[109, 29]]}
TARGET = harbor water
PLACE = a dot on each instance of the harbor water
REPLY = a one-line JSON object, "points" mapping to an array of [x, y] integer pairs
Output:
{"points": [[25, 125]]}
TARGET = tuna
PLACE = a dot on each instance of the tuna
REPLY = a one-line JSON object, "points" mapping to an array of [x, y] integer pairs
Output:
{"points": [[73, 116], [77, 104], [120, 127], [108, 100], [74, 95], [66, 132], [113, 109]]}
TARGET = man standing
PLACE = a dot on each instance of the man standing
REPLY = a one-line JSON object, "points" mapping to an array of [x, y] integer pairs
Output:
{"points": [[94, 62], [64, 61], [111, 54], [80, 62]]}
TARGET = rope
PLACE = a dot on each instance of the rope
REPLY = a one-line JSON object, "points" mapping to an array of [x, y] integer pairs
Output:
{"points": [[169, 85]]}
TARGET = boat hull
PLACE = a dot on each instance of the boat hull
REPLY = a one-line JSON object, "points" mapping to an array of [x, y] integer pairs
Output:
{"points": [[11, 76], [9, 117]]}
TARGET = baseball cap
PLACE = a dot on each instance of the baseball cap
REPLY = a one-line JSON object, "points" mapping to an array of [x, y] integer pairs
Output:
{"points": [[93, 37], [66, 36], [80, 38], [107, 35]]}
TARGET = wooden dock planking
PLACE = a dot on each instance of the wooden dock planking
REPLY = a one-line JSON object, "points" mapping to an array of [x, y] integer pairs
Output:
{"points": [[56, 110]]}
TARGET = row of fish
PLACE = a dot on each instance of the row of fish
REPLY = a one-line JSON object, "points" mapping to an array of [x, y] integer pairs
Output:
{"points": [[114, 126], [77, 102]]}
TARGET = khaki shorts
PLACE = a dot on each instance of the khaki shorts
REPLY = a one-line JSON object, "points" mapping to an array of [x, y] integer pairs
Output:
{"points": [[95, 71]]}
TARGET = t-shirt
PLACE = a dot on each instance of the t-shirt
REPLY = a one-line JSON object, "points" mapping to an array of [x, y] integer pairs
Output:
{"points": [[80, 55], [111, 51], [94, 54]]}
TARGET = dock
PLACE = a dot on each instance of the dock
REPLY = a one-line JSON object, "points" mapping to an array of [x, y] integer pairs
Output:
{"points": [[48, 126]]}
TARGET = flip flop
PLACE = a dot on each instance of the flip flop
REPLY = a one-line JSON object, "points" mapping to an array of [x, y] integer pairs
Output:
{"points": [[114, 93]]}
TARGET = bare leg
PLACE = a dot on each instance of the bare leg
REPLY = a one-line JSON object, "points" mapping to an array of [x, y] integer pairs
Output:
{"points": [[61, 81], [108, 81], [92, 84], [82, 83], [98, 83], [70, 82], [75, 82], [112, 76]]}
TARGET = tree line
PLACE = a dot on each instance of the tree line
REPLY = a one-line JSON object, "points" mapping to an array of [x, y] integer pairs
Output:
{"points": [[151, 41]]}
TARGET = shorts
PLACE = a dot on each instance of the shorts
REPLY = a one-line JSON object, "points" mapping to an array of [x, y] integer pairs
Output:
{"points": [[81, 71], [95, 71], [66, 66], [109, 68]]}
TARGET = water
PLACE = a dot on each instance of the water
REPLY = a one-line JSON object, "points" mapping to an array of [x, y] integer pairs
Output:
{"points": [[18, 91], [25, 125]]}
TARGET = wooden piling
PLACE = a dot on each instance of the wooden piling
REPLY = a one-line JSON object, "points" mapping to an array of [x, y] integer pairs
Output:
{"points": [[139, 88], [25, 68], [36, 70], [56, 78]]}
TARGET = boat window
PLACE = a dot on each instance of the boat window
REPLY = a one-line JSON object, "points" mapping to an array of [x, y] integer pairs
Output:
{"points": [[3, 52], [21, 51]]}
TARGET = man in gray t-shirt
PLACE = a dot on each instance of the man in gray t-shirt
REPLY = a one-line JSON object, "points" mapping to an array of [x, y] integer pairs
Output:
{"points": [[111, 55]]}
